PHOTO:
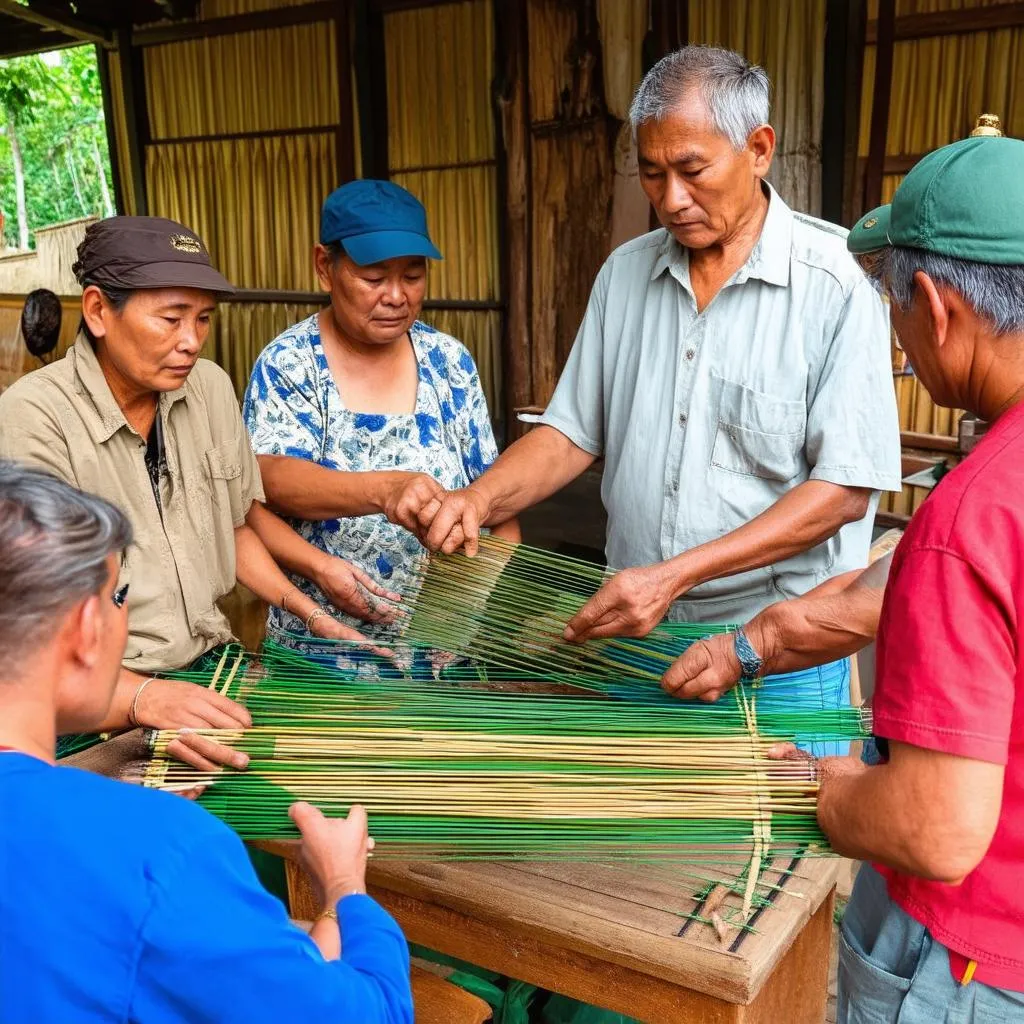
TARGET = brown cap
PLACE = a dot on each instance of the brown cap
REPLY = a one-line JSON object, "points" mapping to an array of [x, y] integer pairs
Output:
{"points": [[145, 252]]}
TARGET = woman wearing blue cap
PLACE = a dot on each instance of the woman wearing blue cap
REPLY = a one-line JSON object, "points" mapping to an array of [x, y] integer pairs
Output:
{"points": [[362, 412]]}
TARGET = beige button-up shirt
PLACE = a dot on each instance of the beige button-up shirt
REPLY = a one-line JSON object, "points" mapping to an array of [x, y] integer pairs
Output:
{"points": [[64, 419], [705, 419]]}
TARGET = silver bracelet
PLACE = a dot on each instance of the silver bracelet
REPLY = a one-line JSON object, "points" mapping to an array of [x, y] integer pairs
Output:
{"points": [[133, 710]]}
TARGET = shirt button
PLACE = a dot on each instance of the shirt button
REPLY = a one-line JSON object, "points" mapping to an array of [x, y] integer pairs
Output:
{"points": [[675, 485], [690, 353], [682, 419]]}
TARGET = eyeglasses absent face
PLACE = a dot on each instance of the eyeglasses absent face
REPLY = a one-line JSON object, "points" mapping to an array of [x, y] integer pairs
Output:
{"points": [[120, 596]]}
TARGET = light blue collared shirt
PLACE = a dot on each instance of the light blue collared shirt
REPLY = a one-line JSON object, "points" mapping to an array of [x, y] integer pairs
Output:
{"points": [[706, 419]]}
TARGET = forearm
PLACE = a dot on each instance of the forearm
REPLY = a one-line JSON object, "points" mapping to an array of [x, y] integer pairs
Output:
{"points": [[128, 684], [814, 630], [327, 936], [535, 467], [923, 812], [300, 488], [802, 518], [290, 551], [257, 570]]}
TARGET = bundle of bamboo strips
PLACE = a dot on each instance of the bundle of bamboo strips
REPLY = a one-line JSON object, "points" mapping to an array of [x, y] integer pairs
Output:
{"points": [[461, 772]]}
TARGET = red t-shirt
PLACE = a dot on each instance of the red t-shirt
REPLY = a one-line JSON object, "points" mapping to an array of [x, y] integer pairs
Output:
{"points": [[950, 677]]}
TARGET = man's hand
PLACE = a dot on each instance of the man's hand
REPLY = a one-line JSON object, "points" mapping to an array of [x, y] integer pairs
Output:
{"points": [[820, 769], [705, 671], [407, 495], [344, 585], [631, 603], [454, 521], [334, 850], [174, 704]]}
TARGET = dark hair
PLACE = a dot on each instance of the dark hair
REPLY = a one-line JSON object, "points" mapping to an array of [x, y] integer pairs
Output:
{"points": [[40, 321], [117, 297], [335, 250]]}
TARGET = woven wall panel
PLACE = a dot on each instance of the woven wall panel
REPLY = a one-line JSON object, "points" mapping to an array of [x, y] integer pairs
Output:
{"points": [[255, 202], [788, 40], [249, 82], [439, 70]]}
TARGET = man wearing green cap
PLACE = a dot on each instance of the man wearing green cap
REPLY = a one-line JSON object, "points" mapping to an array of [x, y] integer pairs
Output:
{"points": [[935, 927]]}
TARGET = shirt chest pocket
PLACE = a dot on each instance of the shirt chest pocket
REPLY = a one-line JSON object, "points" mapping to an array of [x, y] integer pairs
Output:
{"points": [[758, 434], [224, 466]]}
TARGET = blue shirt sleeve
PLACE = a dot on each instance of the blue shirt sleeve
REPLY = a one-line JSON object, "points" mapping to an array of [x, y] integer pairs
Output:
{"points": [[473, 419], [217, 947], [281, 408]]}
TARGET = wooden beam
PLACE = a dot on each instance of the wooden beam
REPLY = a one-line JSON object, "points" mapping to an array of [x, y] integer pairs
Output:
{"points": [[269, 133], [891, 520], [929, 442], [103, 66], [880, 99], [512, 121], [953, 22], [59, 19], [345, 156], [29, 39], [371, 89], [844, 46], [278, 17], [136, 116]]}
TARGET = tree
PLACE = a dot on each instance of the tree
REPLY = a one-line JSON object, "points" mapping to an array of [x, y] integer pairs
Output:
{"points": [[58, 139]]}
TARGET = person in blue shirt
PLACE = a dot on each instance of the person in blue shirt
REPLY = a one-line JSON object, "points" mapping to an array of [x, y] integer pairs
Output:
{"points": [[362, 411], [122, 904]]}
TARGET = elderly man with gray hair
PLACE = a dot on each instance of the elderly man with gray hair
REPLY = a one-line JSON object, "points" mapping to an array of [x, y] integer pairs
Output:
{"points": [[732, 369], [119, 903]]}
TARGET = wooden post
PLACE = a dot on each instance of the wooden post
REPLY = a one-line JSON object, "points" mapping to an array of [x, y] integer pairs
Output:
{"points": [[103, 65], [345, 156], [844, 48], [880, 103], [372, 86], [136, 116], [512, 119]]}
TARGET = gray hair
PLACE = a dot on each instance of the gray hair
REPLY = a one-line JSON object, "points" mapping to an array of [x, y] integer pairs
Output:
{"points": [[54, 545], [736, 93], [994, 291]]}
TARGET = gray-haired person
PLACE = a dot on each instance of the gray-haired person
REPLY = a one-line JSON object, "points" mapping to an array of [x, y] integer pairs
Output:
{"points": [[118, 903], [732, 369]]}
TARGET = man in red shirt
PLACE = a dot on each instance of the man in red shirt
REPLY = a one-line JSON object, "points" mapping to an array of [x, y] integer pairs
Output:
{"points": [[934, 931]]}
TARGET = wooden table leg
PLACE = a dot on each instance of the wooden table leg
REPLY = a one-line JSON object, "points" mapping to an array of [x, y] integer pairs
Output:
{"points": [[797, 991]]}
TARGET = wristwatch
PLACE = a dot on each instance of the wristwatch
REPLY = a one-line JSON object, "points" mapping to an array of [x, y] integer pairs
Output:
{"points": [[750, 661]]}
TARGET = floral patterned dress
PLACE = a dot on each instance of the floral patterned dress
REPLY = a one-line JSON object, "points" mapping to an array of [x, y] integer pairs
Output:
{"points": [[293, 407]]}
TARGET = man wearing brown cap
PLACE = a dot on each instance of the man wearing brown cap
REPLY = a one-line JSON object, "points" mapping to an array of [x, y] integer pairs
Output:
{"points": [[132, 414]]}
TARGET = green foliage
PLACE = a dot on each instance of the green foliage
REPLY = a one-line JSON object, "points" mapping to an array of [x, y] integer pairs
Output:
{"points": [[55, 106]]}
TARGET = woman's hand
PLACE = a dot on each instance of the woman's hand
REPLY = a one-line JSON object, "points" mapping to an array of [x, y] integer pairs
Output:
{"points": [[175, 704], [406, 494], [344, 585]]}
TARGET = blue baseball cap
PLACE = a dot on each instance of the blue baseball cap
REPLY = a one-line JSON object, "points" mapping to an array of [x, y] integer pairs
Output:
{"points": [[376, 221]]}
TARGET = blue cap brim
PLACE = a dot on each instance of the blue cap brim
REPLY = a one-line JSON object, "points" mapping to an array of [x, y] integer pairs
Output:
{"points": [[378, 246]]}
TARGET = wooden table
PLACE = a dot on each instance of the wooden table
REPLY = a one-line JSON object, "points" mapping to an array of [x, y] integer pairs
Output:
{"points": [[613, 935]]}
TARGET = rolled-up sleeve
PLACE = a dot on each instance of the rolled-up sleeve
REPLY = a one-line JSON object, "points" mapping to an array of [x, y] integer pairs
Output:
{"points": [[853, 435], [577, 407]]}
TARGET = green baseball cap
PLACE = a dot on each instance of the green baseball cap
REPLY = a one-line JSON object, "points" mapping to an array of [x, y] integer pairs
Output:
{"points": [[964, 200]]}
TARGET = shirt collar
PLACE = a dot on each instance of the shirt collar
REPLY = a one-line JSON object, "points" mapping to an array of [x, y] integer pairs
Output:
{"points": [[768, 260], [90, 381]]}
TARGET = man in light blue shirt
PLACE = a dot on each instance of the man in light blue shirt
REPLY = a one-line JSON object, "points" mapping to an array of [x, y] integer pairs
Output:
{"points": [[732, 369], [118, 903]]}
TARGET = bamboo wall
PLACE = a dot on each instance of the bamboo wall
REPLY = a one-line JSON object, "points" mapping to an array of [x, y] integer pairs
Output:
{"points": [[441, 145]]}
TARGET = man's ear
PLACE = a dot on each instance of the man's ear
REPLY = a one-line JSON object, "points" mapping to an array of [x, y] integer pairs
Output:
{"points": [[761, 143], [88, 630], [935, 307]]}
